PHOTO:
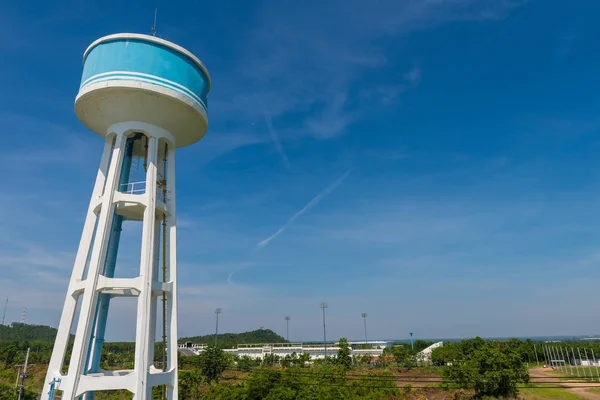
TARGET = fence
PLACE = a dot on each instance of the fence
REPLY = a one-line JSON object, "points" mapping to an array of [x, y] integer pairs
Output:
{"points": [[571, 360]]}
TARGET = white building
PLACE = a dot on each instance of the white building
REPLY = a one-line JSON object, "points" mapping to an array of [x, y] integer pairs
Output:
{"points": [[316, 351], [425, 354]]}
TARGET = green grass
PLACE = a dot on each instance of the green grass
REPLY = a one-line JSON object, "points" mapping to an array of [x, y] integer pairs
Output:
{"points": [[594, 390], [567, 376], [546, 394]]}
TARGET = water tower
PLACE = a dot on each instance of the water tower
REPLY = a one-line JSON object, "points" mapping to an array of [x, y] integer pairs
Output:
{"points": [[146, 97]]}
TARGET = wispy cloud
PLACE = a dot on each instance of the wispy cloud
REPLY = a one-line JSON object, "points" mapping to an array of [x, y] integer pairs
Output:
{"points": [[308, 81], [332, 120], [413, 76], [237, 269], [304, 209], [276, 141], [313, 73], [565, 44]]}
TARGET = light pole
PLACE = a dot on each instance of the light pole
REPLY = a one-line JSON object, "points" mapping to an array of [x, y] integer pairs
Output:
{"points": [[412, 345], [364, 316], [287, 328], [324, 306], [217, 312]]}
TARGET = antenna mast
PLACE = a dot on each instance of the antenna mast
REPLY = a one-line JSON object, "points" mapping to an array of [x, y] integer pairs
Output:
{"points": [[154, 25], [24, 315]]}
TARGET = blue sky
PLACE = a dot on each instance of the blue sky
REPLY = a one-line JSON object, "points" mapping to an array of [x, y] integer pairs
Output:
{"points": [[432, 163]]}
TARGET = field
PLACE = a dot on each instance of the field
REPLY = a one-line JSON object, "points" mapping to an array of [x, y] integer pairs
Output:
{"points": [[414, 384], [570, 387], [547, 394]]}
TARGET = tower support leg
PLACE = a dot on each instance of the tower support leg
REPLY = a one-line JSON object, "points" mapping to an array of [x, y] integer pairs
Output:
{"points": [[97, 255]]}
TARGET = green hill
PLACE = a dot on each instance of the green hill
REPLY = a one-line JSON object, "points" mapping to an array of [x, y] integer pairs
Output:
{"points": [[232, 339], [19, 331]]}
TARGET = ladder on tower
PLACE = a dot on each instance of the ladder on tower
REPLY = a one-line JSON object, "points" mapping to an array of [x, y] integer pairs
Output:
{"points": [[52, 395]]}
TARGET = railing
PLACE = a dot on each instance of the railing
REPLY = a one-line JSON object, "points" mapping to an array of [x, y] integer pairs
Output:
{"points": [[193, 346], [133, 187], [263, 345]]}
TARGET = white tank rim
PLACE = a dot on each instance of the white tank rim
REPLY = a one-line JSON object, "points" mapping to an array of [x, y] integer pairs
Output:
{"points": [[149, 38]]}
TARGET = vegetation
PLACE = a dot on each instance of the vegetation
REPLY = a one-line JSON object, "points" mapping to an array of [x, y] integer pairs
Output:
{"points": [[344, 358], [322, 382], [489, 368], [470, 368], [211, 363], [226, 340], [547, 394], [19, 331], [451, 352]]}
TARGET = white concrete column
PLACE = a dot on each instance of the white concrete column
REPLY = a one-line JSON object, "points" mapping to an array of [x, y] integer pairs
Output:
{"points": [[173, 392], [145, 317], [85, 244], [90, 296], [155, 274]]}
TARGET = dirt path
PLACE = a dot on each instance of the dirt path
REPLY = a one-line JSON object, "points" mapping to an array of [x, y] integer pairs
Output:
{"points": [[545, 375]]}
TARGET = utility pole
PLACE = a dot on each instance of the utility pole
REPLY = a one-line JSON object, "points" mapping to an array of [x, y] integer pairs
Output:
{"points": [[364, 316], [536, 357], [324, 306], [217, 312], [4, 314], [23, 377], [412, 345], [287, 328]]}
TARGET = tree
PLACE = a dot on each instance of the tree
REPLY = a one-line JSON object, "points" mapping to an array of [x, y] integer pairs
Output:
{"points": [[303, 359], [492, 369], [402, 355], [212, 362], [445, 354], [270, 359], [245, 363], [189, 384], [286, 361], [344, 359]]}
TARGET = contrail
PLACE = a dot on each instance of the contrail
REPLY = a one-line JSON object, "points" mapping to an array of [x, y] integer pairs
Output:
{"points": [[307, 207], [230, 275], [276, 141]]}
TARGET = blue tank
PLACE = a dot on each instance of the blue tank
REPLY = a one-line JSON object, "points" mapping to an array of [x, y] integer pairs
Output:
{"points": [[133, 77]]}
